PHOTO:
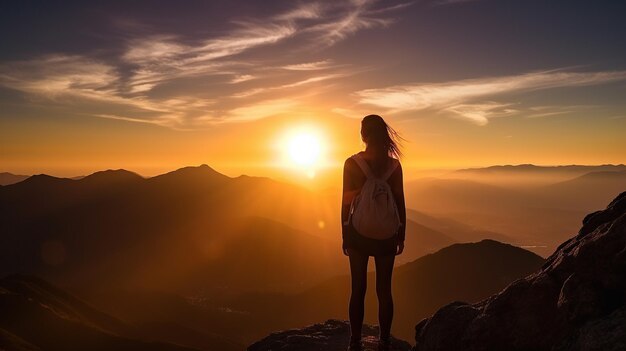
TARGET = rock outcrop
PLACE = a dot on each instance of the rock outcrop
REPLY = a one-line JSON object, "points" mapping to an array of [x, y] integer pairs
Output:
{"points": [[576, 301], [332, 335]]}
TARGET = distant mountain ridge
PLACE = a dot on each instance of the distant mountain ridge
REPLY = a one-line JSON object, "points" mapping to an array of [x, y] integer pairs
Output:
{"points": [[115, 224], [7, 178], [536, 208], [535, 168]]}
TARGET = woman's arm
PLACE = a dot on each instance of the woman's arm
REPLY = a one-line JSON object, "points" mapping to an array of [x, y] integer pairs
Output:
{"points": [[397, 187], [348, 194]]}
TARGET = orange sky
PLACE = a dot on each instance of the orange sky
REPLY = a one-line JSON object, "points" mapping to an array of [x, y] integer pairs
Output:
{"points": [[464, 82], [65, 148]]}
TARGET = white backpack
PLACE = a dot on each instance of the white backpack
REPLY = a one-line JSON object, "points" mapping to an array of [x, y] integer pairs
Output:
{"points": [[373, 211]]}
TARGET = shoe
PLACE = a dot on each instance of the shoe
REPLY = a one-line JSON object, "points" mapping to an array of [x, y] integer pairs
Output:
{"points": [[384, 345], [355, 345]]}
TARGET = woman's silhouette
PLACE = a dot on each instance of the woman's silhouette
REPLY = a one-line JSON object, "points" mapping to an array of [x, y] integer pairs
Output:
{"points": [[381, 156]]}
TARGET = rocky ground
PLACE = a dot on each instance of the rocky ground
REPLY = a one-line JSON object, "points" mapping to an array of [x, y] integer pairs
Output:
{"points": [[332, 335]]}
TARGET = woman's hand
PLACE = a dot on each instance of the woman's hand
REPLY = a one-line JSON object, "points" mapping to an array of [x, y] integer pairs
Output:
{"points": [[344, 235], [400, 247]]}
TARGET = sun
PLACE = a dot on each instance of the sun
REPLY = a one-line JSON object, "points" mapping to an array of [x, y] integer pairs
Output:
{"points": [[303, 149]]}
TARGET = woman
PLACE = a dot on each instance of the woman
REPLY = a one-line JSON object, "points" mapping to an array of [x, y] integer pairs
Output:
{"points": [[380, 159]]}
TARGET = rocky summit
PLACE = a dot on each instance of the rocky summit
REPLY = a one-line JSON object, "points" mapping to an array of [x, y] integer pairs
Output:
{"points": [[332, 335], [576, 301]]}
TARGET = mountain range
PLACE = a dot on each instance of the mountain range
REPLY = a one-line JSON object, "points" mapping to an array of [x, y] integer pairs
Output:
{"points": [[195, 259], [467, 272], [161, 321], [537, 215], [193, 223], [7, 178]]}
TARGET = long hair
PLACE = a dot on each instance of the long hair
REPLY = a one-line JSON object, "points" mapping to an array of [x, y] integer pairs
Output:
{"points": [[377, 133]]}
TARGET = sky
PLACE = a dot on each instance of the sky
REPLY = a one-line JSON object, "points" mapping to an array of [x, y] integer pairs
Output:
{"points": [[157, 85]]}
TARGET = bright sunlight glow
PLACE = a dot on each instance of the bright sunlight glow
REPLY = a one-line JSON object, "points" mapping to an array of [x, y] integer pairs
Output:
{"points": [[303, 150]]}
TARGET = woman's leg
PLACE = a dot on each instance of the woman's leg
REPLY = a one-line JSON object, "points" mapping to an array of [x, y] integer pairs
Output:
{"points": [[384, 268], [358, 270]]}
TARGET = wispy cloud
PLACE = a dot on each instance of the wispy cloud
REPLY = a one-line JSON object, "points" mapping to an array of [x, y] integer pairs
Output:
{"points": [[162, 58], [90, 86], [56, 75], [313, 80], [310, 66], [480, 113], [151, 71], [304, 11], [298, 83], [242, 78], [358, 14], [466, 98]]}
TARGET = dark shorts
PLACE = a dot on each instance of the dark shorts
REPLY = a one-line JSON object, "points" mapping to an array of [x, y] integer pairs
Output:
{"points": [[369, 246]]}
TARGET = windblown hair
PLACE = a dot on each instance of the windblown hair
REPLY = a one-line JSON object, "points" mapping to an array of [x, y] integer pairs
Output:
{"points": [[375, 132]]}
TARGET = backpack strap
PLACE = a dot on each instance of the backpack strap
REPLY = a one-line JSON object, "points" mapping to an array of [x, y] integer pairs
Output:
{"points": [[394, 165], [363, 165], [368, 172]]}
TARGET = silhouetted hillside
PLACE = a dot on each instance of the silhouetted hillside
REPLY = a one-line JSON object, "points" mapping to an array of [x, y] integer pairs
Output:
{"points": [[454, 230], [261, 254], [194, 321], [591, 189], [194, 223], [529, 175], [118, 226], [576, 301], [38, 316], [422, 240], [109, 178], [459, 272], [7, 178]]}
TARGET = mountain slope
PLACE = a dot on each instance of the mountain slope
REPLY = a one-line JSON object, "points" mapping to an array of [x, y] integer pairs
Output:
{"points": [[538, 217], [36, 315], [7, 178], [459, 272], [588, 191], [524, 175], [454, 230], [118, 226], [576, 301]]}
